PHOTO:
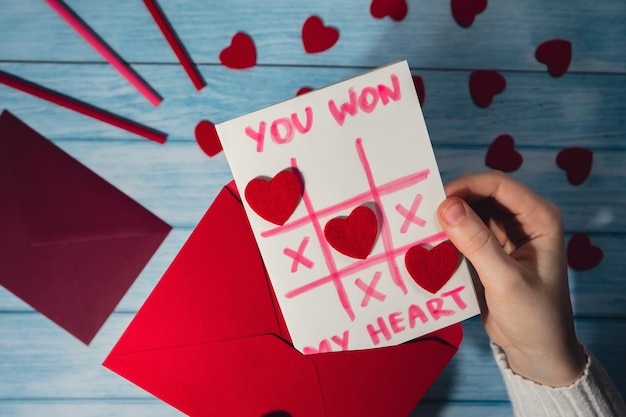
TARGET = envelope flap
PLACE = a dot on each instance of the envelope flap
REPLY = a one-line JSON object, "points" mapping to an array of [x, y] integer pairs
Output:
{"points": [[385, 381], [284, 331], [451, 335], [215, 289], [59, 198], [247, 377]]}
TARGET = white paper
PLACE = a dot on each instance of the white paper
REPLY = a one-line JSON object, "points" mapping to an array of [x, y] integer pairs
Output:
{"points": [[380, 157]]}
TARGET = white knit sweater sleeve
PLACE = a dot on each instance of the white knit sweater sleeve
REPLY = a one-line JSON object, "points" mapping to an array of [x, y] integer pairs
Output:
{"points": [[593, 395]]}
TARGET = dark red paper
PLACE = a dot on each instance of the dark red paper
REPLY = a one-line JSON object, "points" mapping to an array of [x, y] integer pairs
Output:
{"points": [[211, 341], [71, 243]]}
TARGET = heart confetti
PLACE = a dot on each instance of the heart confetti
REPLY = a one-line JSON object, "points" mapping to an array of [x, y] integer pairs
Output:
{"points": [[431, 269], [576, 162], [465, 11], [395, 9], [484, 85], [502, 154], [316, 37], [207, 138], [303, 90], [556, 54], [240, 54], [276, 199], [418, 82], [581, 254], [355, 235]]}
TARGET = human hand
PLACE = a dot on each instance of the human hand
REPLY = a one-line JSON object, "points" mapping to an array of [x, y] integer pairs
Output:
{"points": [[514, 240]]}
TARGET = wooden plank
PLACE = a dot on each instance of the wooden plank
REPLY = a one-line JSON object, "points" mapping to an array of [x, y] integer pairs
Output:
{"points": [[473, 375], [463, 409], [53, 374], [138, 292], [597, 292], [178, 182], [536, 109], [156, 408], [504, 36], [592, 206], [87, 408], [46, 363]]}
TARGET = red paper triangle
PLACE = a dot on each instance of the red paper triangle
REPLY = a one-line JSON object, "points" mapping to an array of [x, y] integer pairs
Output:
{"points": [[211, 340], [74, 243]]}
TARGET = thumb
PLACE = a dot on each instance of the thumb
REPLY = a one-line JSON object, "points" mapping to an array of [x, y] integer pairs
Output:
{"points": [[469, 234]]}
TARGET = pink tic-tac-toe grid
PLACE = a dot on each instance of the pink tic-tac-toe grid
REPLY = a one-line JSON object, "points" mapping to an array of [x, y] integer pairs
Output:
{"points": [[390, 253]]}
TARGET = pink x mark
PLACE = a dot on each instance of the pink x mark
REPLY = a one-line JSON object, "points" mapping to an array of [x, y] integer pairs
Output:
{"points": [[298, 256], [370, 289], [409, 215]]}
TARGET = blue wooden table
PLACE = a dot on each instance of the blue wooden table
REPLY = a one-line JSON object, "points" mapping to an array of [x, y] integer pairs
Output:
{"points": [[46, 372]]}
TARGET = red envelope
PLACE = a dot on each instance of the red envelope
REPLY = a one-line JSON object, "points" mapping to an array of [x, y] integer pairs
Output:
{"points": [[211, 341], [71, 244]]}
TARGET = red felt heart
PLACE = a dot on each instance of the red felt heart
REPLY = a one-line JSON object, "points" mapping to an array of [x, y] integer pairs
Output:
{"points": [[276, 199], [465, 11], [418, 82], [484, 84], [354, 235], [240, 54], [396, 9], [316, 37], [556, 54], [576, 162], [502, 154], [581, 254], [431, 269], [207, 138]]}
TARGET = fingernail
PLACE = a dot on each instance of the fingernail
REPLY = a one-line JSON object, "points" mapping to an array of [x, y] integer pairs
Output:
{"points": [[454, 213]]}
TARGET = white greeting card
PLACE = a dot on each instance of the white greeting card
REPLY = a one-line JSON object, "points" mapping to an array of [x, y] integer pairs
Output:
{"points": [[341, 189]]}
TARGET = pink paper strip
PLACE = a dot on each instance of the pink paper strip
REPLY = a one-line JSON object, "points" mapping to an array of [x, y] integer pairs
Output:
{"points": [[80, 107], [106, 51], [175, 44]]}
